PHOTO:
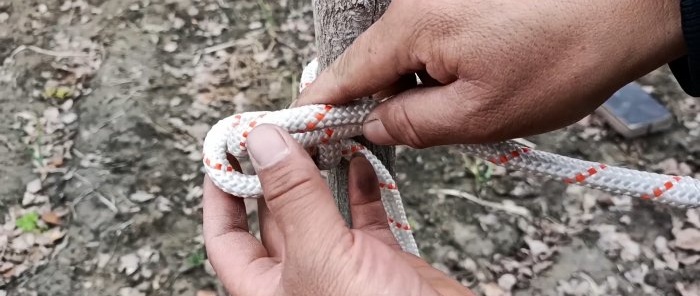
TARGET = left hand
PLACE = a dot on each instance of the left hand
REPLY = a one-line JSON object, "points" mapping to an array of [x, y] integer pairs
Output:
{"points": [[306, 247]]}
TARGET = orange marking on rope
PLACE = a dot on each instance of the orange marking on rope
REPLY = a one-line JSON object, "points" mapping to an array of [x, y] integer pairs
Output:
{"points": [[502, 159], [580, 177], [310, 125], [356, 148], [229, 168], [320, 116], [659, 191], [207, 161], [217, 166], [329, 132]]}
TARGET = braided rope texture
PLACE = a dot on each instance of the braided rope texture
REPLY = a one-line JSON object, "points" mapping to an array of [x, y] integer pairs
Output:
{"points": [[330, 129]]}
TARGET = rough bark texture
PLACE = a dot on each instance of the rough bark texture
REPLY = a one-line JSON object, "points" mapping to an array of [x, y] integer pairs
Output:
{"points": [[338, 23]]}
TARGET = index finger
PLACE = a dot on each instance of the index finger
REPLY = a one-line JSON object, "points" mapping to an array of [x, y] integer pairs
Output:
{"points": [[230, 246], [377, 59]]}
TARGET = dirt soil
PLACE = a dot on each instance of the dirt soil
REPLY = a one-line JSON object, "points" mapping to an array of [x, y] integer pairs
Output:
{"points": [[104, 105]]}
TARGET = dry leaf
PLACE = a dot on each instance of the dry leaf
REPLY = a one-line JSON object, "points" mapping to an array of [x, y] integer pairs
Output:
{"points": [[34, 186], [507, 281], [128, 263], [206, 293], [686, 289], [492, 289], [51, 218], [693, 216], [688, 239], [141, 196]]}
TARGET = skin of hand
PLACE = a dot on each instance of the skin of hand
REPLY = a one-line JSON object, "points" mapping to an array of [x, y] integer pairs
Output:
{"points": [[494, 70], [306, 247]]}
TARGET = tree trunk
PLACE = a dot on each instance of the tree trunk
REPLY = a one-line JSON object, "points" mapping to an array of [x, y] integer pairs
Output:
{"points": [[337, 24]]}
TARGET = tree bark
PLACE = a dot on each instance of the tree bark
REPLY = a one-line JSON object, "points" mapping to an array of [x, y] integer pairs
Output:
{"points": [[337, 24]]}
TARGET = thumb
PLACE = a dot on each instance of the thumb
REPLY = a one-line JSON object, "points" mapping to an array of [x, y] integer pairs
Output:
{"points": [[297, 196], [375, 61], [431, 116]]}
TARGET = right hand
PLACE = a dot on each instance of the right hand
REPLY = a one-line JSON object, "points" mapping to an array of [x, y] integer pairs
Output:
{"points": [[497, 69]]}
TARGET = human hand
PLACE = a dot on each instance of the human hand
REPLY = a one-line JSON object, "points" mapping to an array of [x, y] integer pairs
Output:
{"points": [[497, 69], [306, 247]]}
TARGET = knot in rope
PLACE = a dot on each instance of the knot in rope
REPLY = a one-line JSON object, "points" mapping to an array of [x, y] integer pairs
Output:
{"points": [[330, 129]]}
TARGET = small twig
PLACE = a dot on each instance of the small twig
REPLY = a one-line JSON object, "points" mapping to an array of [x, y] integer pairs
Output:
{"points": [[211, 49], [595, 289], [513, 209], [107, 202], [106, 122], [215, 48], [48, 52]]}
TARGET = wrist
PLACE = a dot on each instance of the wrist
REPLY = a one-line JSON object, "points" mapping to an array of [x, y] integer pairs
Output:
{"points": [[655, 37], [627, 39]]}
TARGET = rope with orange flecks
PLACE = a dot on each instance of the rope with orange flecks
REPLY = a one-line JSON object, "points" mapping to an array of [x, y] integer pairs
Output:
{"points": [[330, 129]]}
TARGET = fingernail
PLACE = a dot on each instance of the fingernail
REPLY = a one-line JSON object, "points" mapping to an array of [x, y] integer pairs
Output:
{"points": [[375, 131], [266, 146]]}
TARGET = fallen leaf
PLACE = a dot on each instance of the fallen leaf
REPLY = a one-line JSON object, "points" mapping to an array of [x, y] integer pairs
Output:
{"points": [[129, 291], [141, 196], [507, 281], [128, 263], [492, 289], [34, 186], [689, 260], [686, 289], [6, 266], [51, 218], [693, 216], [537, 247], [688, 239], [206, 293]]}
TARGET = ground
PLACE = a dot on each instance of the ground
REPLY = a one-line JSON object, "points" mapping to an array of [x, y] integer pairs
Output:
{"points": [[104, 105]]}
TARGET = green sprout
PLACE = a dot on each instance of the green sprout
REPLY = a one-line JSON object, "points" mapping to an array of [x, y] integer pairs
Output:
{"points": [[29, 222]]}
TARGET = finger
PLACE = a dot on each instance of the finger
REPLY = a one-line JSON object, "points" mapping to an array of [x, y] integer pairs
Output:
{"points": [[234, 253], [372, 63], [404, 83], [270, 233], [294, 190], [366, 208], [427, 80], [431, 116]]}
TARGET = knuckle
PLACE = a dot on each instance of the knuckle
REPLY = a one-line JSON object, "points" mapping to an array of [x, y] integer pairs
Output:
{"points": [[288, 185], [402, 128], [489, 115]]}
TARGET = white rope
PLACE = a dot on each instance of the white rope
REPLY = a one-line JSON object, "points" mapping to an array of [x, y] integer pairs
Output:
{"points": [[330, 128]]}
